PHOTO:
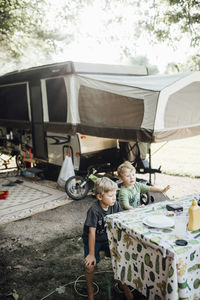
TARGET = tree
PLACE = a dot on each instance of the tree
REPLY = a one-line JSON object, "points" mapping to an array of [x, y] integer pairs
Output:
{"points": [[172, 20], [191, 64], [19, 19], [31, 30]]}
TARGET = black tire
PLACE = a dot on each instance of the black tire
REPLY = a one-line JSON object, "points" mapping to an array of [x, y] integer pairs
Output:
{"points": [[19, 161], [145, 198], [75, 189], [41, 175]]}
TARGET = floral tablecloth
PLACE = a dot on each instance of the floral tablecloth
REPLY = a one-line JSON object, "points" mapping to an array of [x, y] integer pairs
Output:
{"points": [[149, 260]]}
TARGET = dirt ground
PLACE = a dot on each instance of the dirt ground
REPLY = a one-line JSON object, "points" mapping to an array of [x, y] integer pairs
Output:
{"points": [[42, 256]]}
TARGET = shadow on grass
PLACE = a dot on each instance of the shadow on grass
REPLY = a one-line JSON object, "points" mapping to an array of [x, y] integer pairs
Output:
{"points": [[49, 271]]}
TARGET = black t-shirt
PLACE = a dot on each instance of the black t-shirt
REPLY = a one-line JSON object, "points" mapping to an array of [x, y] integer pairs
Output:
{"points": [[96, 217]]}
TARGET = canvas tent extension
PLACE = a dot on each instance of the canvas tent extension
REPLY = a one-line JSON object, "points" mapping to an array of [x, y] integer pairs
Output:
{"points": [[144, 108]]}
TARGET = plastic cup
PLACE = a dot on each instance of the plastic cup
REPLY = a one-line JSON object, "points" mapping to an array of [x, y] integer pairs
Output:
{"points": [[181, 226]]}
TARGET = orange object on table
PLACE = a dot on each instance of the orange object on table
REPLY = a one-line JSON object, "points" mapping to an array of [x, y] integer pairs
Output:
{"points": [[3, 195]]}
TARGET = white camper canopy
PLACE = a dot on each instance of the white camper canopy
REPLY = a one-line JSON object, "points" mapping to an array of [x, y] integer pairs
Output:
{"points": [[144, 108]]}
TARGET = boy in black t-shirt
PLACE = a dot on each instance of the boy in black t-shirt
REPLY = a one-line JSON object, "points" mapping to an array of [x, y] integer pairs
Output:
{"points": [[94, 232]]}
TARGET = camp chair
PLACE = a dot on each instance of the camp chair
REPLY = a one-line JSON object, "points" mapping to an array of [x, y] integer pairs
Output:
{"points": [[131, 151]]}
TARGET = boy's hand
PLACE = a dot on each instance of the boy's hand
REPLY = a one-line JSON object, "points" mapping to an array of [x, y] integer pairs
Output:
{"points": [[141, 206], [90, 260], [166, 189]]}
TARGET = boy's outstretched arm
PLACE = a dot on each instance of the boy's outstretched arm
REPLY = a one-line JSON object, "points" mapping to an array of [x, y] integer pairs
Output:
{"points": [[159, 190], [126, 207], [90, 260]]}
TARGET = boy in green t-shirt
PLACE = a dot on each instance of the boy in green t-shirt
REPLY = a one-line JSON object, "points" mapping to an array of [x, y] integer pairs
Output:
{"points": [[129, 194]]}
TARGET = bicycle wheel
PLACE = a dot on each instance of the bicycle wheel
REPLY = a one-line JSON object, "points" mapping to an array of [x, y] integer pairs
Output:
{"points": [[77, 187], [144, 198]]}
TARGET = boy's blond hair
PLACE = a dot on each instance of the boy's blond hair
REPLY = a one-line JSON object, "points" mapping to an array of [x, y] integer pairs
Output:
{"points": [[104, 185], [125, 165]]}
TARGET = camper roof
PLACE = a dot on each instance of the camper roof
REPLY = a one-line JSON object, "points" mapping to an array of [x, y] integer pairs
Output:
{"points": [[69, 67]]}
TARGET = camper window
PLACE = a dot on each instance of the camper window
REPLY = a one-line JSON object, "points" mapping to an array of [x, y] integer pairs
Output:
{"points": [[178, 105], [13, 102], [101, 107], [56, 99]]}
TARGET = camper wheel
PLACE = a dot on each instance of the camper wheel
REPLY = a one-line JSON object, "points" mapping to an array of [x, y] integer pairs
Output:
{"points": [[19, 161], [77, 187]]}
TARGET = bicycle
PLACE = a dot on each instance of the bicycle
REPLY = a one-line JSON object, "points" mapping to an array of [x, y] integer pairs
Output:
{"points": [[77, 187]]}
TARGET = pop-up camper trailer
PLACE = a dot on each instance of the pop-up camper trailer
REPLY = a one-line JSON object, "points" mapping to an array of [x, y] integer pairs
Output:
{"points": [[45, 110], [42, 107]]}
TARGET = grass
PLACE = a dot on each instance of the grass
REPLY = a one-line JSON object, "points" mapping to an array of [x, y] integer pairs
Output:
{"points": [[178, 157]]}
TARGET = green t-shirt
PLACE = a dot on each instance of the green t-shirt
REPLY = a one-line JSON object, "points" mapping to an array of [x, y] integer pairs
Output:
{"points": [[131, 196]]}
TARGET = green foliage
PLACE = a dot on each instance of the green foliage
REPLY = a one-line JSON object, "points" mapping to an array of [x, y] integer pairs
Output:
{"points": [[172, 22], [171, 16], [191, 64], [18, 18], [14, 295], [30, 30]]}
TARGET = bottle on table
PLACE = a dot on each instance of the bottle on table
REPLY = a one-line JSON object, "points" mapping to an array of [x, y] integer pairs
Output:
{"points": [[194, 216]]}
